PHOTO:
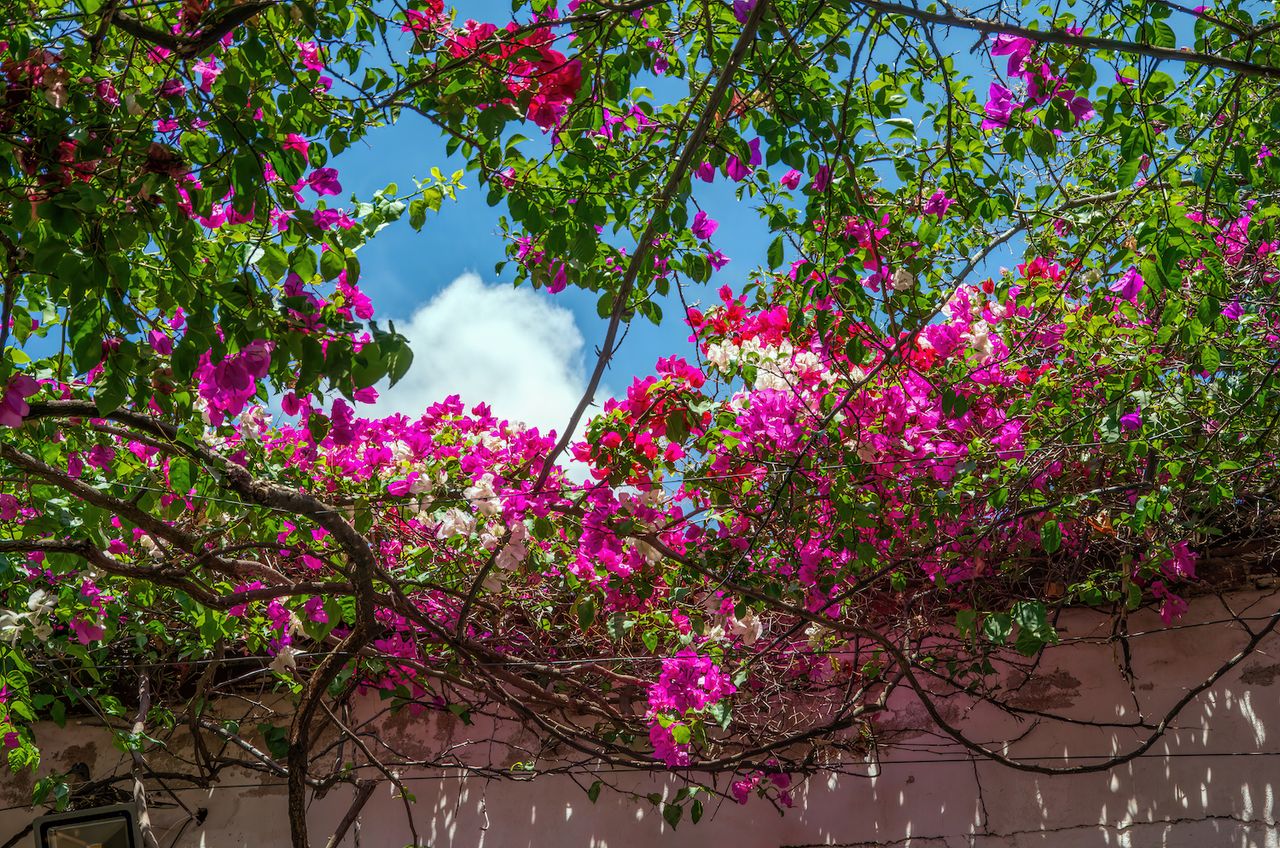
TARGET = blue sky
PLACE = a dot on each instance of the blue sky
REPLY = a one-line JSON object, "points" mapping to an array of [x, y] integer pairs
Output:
{"points": [[409, 273], [481, 340]]}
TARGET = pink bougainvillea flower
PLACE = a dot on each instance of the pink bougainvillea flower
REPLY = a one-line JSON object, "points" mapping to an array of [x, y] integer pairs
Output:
{"points": [[1182, 565], [172, 88], [559, 280], [1172, 606], [419, 22], [1129, 285], [791, 179], [704, 226], [309, 56], [999, 107], [666, 748], [293, 141], [1132, 420], [938, 204], [1233, 311], [1081, 108], [13, 404], [324, 181], [314, 609], [705, 172], [742, 9], [1015, 47], [107, 93], [821, 179], [87, 632], [736, 169], [328, 219], [208, 71]]}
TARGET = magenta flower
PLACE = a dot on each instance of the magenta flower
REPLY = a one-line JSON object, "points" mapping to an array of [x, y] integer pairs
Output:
{"points": [[208, 71], [704, 226], [314, 608], [1182, 565], [86, 632], [11, 739], [999, 108], [309, 55], [327, 219], [559, 280], [666, 748], [13, 404], [705, 172], [160, 342], [1015, 47], [107, 93], [293, 141], [1131, 420], [689, 682], [172, 88], [1129, 285], [742, 9], [324, 181], [736, 169], [1081, 108], [938, 204], [1232, 311], [791, 179], [821, 179]]}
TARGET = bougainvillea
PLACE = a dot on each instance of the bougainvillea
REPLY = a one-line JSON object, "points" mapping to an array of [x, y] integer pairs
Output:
{"points": [[882, 460]]}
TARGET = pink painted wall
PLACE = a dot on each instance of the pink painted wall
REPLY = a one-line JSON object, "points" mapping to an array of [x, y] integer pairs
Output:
{"points": [[1212, 780]]}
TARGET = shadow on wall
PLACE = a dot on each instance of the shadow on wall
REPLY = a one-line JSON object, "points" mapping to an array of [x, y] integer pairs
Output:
{"points": [[1210, 780]]}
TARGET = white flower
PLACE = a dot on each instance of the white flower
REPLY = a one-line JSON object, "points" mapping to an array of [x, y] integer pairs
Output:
{"points": [[749, 628], [40, 603], [253, 422], [903, 280], [149, 545], [456, 522], [286, 660], [979, 338], [483, 495], [12, 625]]}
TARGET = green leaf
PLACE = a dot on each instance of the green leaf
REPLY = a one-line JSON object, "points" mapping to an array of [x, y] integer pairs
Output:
{"points": [[593, 792], [111, 394], [775, 254], [1050, 536], [586, 612], [272, 261], [672, 813], [332, 263], [181, 475]]}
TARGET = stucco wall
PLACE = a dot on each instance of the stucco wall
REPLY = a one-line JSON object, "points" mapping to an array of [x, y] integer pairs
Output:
{"points": [[1211, 780]]}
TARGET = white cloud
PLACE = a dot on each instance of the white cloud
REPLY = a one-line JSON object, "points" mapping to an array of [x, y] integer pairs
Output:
{"points": [[510, 348]]}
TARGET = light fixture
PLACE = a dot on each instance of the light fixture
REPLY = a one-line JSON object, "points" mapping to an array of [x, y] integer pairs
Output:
{"points": [[98, 827]]}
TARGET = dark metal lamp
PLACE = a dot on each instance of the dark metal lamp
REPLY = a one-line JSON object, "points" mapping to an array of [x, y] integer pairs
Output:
{"points": [[99, 827]]}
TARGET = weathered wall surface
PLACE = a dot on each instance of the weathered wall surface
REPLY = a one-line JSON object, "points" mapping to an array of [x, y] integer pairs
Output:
{"points": [[1211, 780]]}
